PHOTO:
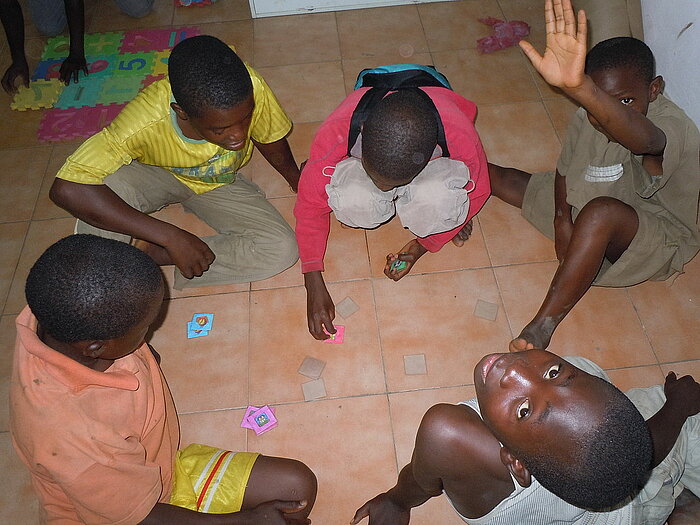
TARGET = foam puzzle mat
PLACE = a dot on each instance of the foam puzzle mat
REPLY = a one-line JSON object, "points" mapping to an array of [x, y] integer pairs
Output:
{"points": [[120, 64]]}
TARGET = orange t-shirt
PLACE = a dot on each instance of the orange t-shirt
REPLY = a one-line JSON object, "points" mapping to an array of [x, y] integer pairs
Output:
{"points": [[100, 446]]}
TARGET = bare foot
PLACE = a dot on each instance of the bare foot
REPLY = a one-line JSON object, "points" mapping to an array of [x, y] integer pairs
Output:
{"points": [[463, 234], [159, 254]]}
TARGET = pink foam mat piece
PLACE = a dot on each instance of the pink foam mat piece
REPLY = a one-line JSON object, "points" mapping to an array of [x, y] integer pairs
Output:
{"points": [[68, 124]]}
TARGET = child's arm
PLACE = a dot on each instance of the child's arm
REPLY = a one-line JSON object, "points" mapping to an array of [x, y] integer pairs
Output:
{"points": [[682, 401], [269, 513], [75, 62], [99, 206], [280, 157], [562, 66], [13, 22], [563, 225]]}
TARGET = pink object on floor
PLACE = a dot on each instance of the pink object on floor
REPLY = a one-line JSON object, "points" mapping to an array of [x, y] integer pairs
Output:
{"points": [[337, 337], [67, 124], [505, 34]]}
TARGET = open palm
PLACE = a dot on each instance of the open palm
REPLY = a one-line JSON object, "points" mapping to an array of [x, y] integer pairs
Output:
{"points": [[562, 64]]}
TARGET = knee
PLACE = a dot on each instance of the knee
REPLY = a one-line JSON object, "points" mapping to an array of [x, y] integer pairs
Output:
{"points": [[135, 8], [600, 211], [304, 481]]}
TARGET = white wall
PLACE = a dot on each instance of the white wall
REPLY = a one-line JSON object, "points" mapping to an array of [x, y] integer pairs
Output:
{"points": [[672, 31]]}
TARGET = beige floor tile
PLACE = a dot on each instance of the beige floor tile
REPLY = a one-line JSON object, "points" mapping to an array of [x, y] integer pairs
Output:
{"points": [[464, 28], [12, 237], [307, 92], [670, 311], [509, 238], [518, 135], [530, 12], [221, 429], [682, 368], [108, 17], [561, 110], [41, 235], [45, 208], [433, 315], [210, 372], [367, 32], [346, 254], [471, 75], [237, 33], [603, 326], [7, 345], [18, 128], [638, 377], [346, 442], [392, 237], [279, 40], [21, 174], [18, 503], [221, 11], [280, 341], [353, 66]]}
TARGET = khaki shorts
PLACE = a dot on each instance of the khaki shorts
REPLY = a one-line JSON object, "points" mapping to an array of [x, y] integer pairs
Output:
{"points": [[211, 480], [652, 255]]}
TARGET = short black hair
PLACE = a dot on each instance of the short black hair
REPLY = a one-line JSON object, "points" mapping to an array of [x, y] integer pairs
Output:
{"points": [[86, 288], [399, 136], [622, 52], [206, 73], [612, 461]]}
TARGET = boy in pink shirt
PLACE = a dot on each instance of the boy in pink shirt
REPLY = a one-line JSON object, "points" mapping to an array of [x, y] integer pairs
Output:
{"points": [[396, 166], [92, 417]]}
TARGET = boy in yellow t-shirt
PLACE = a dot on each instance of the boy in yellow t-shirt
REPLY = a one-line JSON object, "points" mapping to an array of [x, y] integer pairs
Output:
{"points": [[182, 140]]}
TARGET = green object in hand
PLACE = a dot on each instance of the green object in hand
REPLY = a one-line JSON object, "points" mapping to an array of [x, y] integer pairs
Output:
{"points": [[398, 265]]}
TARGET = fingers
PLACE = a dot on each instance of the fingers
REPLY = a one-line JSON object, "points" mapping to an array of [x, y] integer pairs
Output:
{"points": [[582, 35], [550, 24], [318, 321], [569, 19], [361, 514], [531, 53]]}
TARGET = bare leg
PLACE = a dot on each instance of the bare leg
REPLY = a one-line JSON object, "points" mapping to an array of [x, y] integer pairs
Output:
{"points": [[604, 229], [283, 479], [508, 184]]}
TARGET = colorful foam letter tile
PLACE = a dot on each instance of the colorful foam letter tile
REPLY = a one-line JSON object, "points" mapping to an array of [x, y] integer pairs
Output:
{"points": [[39, 94]]}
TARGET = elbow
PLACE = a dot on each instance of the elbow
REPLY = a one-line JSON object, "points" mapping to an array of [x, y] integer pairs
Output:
{"points": [[58, 193]]}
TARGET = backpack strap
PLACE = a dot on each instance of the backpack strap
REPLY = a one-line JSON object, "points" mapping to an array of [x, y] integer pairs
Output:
{"points": [[373, 96]]}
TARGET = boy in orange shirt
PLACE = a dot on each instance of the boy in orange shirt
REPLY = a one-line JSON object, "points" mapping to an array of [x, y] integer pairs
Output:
{"points": [[92, 417]]}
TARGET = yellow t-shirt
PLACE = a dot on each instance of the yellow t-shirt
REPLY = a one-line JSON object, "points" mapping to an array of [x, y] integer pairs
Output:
{"points": [[146, 130]]}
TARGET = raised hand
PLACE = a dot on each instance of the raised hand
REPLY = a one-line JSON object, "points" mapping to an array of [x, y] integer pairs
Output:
{"points": [[563, 62]]}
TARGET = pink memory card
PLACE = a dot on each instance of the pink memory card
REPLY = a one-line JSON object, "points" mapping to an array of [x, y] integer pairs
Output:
{"points": [[249, 411], [262, 420], [337, 337]]}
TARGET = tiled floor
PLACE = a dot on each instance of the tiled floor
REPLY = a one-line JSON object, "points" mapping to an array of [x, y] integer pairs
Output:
{"points": [[361, 434]]}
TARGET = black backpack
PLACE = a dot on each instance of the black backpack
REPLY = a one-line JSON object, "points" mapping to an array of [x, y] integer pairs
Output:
{"points": [[396, 77]]}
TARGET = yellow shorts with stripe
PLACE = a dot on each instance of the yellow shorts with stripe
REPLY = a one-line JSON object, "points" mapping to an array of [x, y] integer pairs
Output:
{"points": [[211, 480]]}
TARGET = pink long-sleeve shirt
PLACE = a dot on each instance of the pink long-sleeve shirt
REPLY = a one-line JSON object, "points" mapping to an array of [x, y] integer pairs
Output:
{"points": [[330, 146]]}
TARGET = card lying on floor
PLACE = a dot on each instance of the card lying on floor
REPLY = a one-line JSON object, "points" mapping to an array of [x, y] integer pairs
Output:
{"points": [[259, 419], [337, 337], [200, 325]]}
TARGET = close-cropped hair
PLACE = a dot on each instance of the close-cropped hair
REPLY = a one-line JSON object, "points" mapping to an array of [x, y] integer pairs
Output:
{"points": [[86, 288], [399, 136], [206, 73], [610, 463], [622, 52]]}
